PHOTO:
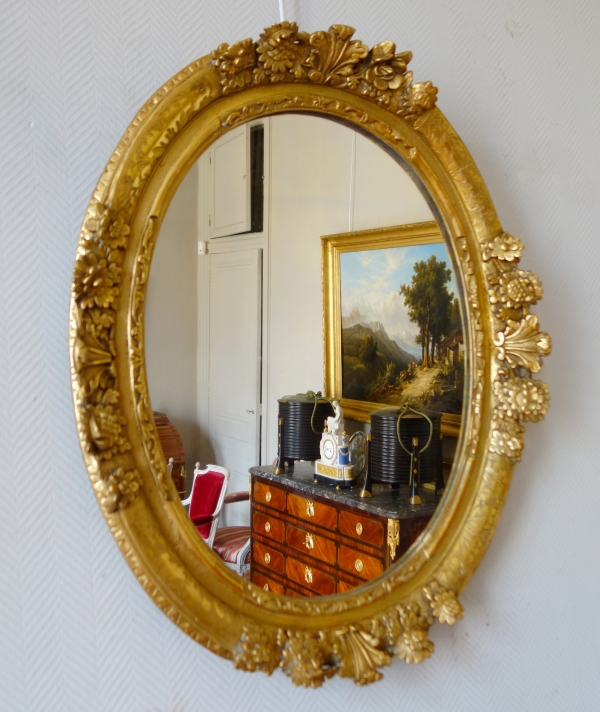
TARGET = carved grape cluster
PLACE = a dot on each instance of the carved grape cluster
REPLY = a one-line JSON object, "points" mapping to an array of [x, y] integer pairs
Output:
{"points": [[523, 398]]}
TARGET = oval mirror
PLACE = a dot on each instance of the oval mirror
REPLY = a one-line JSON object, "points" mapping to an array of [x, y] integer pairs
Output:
{"points": [[334, 311], [233, 329]]}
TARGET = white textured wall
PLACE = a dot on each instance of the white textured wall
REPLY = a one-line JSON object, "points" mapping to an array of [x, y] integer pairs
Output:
{"points": [[518, 80]]}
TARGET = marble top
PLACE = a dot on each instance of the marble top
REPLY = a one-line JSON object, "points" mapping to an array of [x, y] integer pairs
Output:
{"points": [[385, 502]]}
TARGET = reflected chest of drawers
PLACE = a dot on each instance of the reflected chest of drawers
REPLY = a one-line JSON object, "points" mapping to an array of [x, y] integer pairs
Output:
{"points": [[309, 539]]}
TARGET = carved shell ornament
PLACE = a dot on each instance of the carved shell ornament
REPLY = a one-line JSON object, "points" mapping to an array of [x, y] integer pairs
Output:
{"points": [[335, 76]]}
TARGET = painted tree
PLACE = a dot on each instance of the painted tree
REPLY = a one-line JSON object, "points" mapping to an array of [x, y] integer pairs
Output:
{"points": [[429, 304]]}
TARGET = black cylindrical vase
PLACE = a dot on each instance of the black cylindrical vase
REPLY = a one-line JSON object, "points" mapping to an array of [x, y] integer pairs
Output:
{"points": [[300, 442], [390, 463]]}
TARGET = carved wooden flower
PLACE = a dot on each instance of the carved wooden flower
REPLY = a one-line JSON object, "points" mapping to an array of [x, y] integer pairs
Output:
{"points": [[507, 438], [235, 63], [504, 247], [281, 49], [117, 233], [302, 659], [98, 218], [256, 650], [446, 607], [94, 278], [414, 646], [523, 398], [98, 321], [388, 68], [515, 289], [420, 97], [129, 484]]}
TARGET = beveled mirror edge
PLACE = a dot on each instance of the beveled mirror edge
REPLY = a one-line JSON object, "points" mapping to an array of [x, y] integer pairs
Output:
{"points": [[353, 634]]}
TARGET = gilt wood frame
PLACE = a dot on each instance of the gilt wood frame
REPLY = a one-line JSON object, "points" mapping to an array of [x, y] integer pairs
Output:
{"points": [[328, 74], [332, 246]]}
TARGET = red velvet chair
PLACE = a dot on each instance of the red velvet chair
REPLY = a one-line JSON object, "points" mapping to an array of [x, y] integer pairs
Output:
{"points": [[206, 499], [232, 544]]}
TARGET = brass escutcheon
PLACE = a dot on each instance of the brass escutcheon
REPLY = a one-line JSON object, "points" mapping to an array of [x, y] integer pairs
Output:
{"points": [[267, 527], [307, 574], [267, 558], [268, 496], [358, 565], [266, 587], [309, 542], [359, 528], [310, 509]]}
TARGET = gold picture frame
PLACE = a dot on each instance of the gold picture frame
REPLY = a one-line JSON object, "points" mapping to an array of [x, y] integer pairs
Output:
{"points": [[332, 75], [332, 247]]}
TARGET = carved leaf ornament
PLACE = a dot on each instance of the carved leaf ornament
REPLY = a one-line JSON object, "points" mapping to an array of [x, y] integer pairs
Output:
{"points": [[333, 75]]}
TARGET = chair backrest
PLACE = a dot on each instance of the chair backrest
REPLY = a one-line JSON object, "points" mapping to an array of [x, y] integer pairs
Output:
{"points": [[206, 500]]}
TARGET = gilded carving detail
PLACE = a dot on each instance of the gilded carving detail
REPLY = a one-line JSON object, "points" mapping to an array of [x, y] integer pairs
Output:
{"points": [[284, 54], [515, 289], [393, 537], [136, 353], [358, 654], [523, 398], [445, 606], [504, 339], [118, 490], [95, 289], [257, 650], [303, 658], [507, 438], [523, 344], [503, 247]]}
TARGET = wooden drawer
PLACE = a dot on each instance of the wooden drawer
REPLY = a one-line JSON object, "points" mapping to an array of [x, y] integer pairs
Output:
{"points": [[268, 526], [359, 563], [293, 594], [311, 544], [304, 508], [268, 557], [269, 495], [342, 586], [360, 527], [266, 583], [309, 577]]}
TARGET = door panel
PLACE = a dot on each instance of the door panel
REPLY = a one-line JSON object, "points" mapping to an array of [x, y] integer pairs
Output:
{"points": [[229, 184], [235, 359]]}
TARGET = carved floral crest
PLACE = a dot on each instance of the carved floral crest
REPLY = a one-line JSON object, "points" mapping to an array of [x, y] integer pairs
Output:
{"points": [[284, 54]]}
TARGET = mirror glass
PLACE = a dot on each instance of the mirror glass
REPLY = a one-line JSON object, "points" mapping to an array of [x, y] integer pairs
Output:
{"points": [[235, 322]]}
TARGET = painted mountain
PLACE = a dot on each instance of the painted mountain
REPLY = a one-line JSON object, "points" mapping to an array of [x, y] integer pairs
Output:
{"points": [[368, 352]]}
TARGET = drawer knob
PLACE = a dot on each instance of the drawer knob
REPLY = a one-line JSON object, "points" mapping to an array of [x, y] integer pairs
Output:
{"points": [[268, 559], [358, 565], [268, 496], [267, 527], [359, 528], [307, 574], [309, 542], [266, 587], [310, 509]]}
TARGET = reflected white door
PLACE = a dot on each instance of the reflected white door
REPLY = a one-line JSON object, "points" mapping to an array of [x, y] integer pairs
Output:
{"points": [[229, 184], [235, 362]]}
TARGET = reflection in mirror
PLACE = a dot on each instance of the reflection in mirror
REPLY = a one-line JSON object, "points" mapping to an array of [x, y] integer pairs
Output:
{"points": [[285, 228]]}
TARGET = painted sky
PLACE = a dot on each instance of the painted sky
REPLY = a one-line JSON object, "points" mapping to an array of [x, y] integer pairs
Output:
{"points": [[371, 282]]}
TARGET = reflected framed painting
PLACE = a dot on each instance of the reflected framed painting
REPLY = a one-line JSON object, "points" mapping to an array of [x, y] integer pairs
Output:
{"points": [[393, 330]]}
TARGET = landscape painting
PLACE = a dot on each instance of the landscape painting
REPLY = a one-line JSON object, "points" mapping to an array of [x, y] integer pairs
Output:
{"points": [[401, 330]]}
